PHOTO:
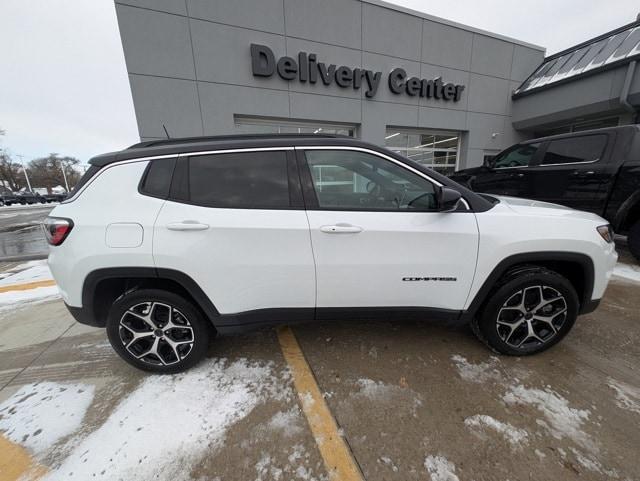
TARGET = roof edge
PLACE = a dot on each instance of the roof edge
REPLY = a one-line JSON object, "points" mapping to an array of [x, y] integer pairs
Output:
{"points": [[451, 23]]}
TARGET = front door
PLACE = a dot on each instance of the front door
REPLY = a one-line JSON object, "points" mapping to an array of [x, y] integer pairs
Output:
{"points": [[572, 173], [378, 239], [509, 173]]}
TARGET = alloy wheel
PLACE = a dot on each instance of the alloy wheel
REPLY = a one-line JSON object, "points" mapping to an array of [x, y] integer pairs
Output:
{"points": [[156, 333], [531, 317]]}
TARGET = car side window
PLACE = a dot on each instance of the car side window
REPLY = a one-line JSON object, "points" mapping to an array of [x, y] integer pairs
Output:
{"points": [[254, 180], [352, 180], [587, 148], [157, 179], [517, 156]]}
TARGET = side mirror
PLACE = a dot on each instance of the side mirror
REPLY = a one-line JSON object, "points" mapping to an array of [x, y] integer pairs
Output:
{"points": [[448, 199]]}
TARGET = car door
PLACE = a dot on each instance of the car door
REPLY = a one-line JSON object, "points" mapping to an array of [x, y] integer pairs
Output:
{"points": [[572, 172], [235, 223], [509, 172], [378, 239]]}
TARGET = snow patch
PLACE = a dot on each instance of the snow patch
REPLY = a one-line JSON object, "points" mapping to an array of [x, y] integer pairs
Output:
{"points": [[286, 422], [440, 469], [627, 271], [28, 272], [380, 392], [627, 397], [479, 373], [169, 422], [297, 467], [594, 465], [9, 299], [562, 420], [512, 434], [38, 415], [386, 460]]}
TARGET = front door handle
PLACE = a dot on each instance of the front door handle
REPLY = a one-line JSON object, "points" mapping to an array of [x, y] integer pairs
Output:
{"points": [[340, 229], [187, 225], [580, 173]]}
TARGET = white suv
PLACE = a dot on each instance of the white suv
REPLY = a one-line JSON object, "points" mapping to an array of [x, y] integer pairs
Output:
{"points": [[169, 242]]}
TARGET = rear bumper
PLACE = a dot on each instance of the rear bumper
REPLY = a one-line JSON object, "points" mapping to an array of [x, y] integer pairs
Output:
{"points": [[83, 316]]}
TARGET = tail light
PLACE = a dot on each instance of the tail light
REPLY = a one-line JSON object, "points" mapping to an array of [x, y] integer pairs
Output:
{"points": [[56, 229]]}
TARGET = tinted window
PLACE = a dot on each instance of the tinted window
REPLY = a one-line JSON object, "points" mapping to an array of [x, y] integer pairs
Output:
{"points": [[517, 156], [345, 179], [575, 149], [242, 180], [158, 178]]}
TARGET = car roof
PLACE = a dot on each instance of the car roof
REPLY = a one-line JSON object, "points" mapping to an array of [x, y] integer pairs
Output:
{"points": [[631, 129], [223, 142]]}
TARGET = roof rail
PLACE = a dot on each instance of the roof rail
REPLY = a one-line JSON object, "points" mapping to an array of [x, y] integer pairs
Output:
{"points": [[213, 138]]}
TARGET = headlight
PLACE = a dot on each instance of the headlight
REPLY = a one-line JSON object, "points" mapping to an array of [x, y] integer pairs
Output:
{"points": [[606, 232]]}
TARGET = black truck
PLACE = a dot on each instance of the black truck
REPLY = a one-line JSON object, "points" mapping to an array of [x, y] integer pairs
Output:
{"points": [[595, 170]]}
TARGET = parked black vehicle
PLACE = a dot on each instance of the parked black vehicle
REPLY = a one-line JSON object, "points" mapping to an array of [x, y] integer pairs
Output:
{"points": [[29, 197], [595, 170], [54, 197], [7, 197]]}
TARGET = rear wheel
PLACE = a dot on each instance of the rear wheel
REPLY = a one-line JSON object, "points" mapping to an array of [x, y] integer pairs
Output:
{"points": [[157, 331], [633, 240], [528, 312]]}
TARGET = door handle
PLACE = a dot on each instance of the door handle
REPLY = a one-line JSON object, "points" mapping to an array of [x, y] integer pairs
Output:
{"points": [[187, 225], [579, 173], [341, 229]]}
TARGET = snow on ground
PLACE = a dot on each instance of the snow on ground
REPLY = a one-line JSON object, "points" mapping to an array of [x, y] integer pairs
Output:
{"points": [[287, 422], [28, 272], [477, 372], [561, 419], [440, 469], [31, 271], [627, 397], [380, 392], [514, 435], [39, 415], [169, 422], [297, 468], [627, 271]]}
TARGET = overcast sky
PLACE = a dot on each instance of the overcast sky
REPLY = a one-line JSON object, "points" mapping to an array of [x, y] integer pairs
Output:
{"points": [[63, 82]]}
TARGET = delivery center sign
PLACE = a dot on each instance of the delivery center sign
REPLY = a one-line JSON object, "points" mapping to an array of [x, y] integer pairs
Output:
{"points": [[306, 67]]}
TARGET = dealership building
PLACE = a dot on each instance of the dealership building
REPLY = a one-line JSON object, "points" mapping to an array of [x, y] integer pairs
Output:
{"points": [[444, 94]]}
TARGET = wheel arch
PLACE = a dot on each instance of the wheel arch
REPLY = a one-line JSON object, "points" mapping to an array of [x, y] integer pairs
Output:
{"points": [[628, 213], [576, 267], [103, 286]]}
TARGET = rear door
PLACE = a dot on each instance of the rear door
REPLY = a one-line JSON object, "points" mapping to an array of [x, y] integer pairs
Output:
{"points": [[235, 223], [510, 171], [378, 239], [573, 172]]}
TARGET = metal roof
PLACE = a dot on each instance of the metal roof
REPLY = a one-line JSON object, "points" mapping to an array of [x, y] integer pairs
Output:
{"points": [[610, 50]]}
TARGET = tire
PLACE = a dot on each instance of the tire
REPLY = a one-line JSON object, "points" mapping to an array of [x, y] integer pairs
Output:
{"points": [[633, 240], [126, 316], [507, 326], [1, 203]]}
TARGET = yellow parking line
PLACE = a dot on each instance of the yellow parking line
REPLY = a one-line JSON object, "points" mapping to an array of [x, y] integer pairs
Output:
{"points": [[27, 285], [335, 453], [17, 463]]}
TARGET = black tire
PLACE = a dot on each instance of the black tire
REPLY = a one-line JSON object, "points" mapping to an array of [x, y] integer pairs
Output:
{"points": [[504, 309], [633, 240], [184, 315]]}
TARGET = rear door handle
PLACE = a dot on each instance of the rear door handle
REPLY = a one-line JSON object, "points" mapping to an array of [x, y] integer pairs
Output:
{"points": [[187, 225], [341, 229]]}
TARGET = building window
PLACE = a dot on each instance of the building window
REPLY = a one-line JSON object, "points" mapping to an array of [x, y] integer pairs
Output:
{"points": [[436, 150], [264, 126], [579, 126]]}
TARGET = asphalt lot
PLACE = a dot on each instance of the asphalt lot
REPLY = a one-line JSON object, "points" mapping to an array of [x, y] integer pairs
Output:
{"points": [[412, 401], [20, 233]]}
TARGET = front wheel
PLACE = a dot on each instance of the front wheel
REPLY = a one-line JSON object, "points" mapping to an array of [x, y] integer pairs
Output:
{"points": [[528, 312], [157, 331]]}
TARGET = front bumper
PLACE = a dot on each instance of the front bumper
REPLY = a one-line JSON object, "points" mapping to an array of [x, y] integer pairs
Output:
{"points": [[84, 316]]}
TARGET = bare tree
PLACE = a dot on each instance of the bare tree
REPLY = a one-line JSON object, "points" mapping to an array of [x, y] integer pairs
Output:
{"points": [[47, 171], [11, 172]]}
